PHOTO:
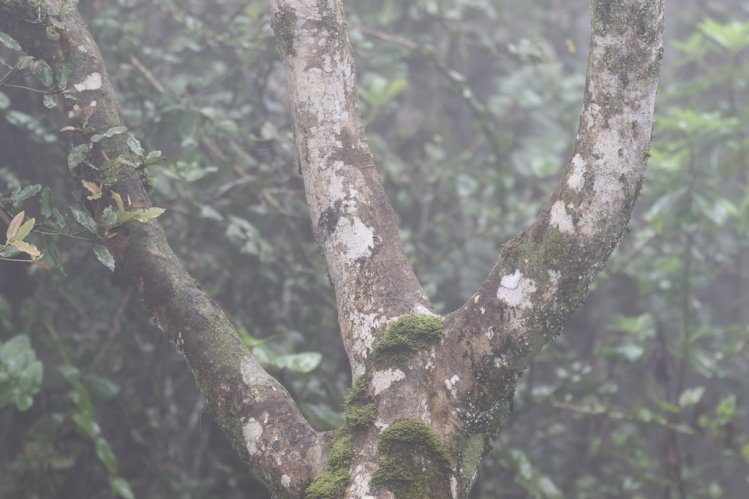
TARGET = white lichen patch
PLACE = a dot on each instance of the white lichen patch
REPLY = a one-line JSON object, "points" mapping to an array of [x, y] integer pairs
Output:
{"points": [[91, 82], [252, 432], [450, 385], [354, 239], [576, 179], [251, 371], [515, 290], [454, 486], [360, 483], [285, 481], [380, 424], [381, 380], [561, 219], [361, 326], [422, 310], [608, 200], [424, 413]]}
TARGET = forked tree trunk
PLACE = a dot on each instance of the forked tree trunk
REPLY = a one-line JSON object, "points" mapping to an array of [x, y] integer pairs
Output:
{"points": [[429, 391]]}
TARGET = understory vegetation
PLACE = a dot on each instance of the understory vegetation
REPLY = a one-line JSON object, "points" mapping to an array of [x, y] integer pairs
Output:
{"points": [[471, 108]]}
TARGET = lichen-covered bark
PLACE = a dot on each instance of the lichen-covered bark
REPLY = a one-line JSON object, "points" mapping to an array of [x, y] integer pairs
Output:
{"points": [[460, 387], [352, 219], [543, 274], [259, 416]]}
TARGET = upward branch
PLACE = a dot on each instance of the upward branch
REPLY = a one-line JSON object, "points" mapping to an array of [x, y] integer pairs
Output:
{"points": [[543, 273], [262, 421], [351, 217]]}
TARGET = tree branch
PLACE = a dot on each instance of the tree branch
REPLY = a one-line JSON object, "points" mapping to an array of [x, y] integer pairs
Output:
{"points": [[257, 413], [351, 216], [543, 273]]}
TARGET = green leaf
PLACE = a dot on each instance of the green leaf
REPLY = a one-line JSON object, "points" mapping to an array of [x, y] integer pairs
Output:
{"points": [[115, 130], [83, 218], [691, 396], [45, 203], [733, 36], [25, 229], [105, 454], [153, 157], [104, 256], [52, 256], [141, 215], [134, 145], [18, 197], [120, 487], [109, 217], [86, 424], [77, 155], [4, 101], [9, 42], [101, 388], [301, 363], [21, 372], [43, 72]]}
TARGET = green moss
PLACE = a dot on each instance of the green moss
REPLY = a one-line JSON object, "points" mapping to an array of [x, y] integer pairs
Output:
{"points": [[334, 481], [414, 463], [472, 453], [328, 485], [359, 408], [406, 336]]}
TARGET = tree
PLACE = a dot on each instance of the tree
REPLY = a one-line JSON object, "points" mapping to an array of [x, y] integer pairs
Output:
{"points": [[429, 391]]}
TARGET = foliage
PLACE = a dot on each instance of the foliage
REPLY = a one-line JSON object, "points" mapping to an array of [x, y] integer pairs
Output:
{"points": [[470, 107]]}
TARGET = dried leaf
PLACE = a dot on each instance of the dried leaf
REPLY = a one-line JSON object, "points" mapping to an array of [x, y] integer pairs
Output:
{"points": [[93, 188], [27, 248], [15, 224]]}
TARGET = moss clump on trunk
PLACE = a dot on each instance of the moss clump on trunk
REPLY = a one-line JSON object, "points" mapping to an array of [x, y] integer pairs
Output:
{"points": [[360, 409], [407, 335], [333, 482], [414, 463]]}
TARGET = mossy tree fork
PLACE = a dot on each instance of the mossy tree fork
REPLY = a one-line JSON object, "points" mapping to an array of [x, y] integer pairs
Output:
{"points": [[429, 391]]}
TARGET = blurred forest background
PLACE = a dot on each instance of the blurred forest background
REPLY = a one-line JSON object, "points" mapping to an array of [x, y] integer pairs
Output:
{"points": [[471, 108]]}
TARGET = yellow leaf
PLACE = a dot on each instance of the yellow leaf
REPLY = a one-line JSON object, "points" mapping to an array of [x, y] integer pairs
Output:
{"points": [[27, 248], [94, 189], [117, 201], [571, 48], [15, 224]]}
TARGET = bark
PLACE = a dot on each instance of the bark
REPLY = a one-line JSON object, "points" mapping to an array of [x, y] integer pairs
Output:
{"points": [[462, 386], [429, 392], [256, 412], [351, 217]]}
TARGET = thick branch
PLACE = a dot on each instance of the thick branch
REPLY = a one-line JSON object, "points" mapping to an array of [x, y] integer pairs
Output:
{"points": [[257, 413], [543, 273], [352, 219]]}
